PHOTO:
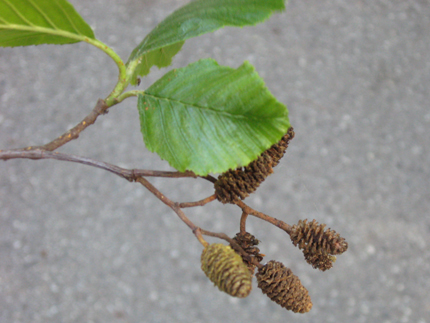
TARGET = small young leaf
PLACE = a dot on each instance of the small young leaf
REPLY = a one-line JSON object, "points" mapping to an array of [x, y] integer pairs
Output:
{"points": [[161, 57], [197, 18], [209, 118], [35, 22]]}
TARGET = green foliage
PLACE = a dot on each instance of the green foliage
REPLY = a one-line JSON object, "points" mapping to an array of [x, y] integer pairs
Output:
{"points": [[197, 18], [209, 118], [31, 22], [204, 118]]}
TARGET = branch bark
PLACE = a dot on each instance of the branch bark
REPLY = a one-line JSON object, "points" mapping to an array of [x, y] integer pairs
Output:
{"points": [[99, 109], [128, 174]]}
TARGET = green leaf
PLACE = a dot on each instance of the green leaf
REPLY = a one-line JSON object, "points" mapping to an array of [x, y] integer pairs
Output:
{"points": [[209, 118], [197, 18], [161, 57], [35, 22]]}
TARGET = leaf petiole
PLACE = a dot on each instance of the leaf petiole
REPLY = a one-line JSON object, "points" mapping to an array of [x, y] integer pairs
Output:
{"points": [[127, 94], [123, 81]]}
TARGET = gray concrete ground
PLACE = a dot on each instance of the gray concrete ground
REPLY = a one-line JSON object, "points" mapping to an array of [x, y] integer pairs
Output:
{"points": [[78, 244]]}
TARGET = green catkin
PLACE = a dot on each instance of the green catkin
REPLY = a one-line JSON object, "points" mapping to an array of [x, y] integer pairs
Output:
{"points": [[225, 268]]}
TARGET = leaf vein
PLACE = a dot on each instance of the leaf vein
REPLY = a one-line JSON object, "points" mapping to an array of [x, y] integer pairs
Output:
{"points": [[18, 13], [179, 125], [44, 15], [69, 20], [166, 139]]}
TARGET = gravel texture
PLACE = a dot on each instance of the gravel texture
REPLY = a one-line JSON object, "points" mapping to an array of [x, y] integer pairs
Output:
{"points": [[78, 244]]}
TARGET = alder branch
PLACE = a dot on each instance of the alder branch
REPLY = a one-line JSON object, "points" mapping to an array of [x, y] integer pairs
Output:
{"points": [[128, 174], [132, 175], [99, 109], [137, 175], [173, 205], [47, 152]]}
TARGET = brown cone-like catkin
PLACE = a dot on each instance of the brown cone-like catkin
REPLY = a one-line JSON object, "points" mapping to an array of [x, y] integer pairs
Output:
{"points": [[277, 151], [310, 236], [248, 242], [225, 268], [319, 261], [283, 287], [239, 183]]}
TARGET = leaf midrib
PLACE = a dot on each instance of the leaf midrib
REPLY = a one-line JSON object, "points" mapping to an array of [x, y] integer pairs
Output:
{"points": [[58, 32], [53, 30], [237, 116]]}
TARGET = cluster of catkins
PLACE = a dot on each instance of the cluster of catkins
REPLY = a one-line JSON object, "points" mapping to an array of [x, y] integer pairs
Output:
{"points": [[232, 271]]}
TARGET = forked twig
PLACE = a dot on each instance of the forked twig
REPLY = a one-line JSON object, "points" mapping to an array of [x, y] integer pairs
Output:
{"points": [[280, 224]]}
